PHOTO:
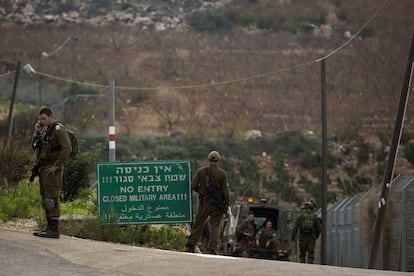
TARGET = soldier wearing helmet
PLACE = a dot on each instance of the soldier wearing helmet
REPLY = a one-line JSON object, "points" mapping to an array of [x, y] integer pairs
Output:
{"points": [[309, 227], [207, 179]]}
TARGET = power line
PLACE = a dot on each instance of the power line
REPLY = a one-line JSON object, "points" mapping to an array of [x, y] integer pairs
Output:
{"points": [[60, 47], [220, 83], [356, 34]]}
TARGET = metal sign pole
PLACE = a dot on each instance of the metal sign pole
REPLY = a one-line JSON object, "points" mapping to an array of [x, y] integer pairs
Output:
{"points": [[324, 163], [111, 115]]}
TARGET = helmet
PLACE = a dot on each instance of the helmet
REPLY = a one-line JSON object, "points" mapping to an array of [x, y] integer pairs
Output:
{"points": [[307, 205], [214, 156]]}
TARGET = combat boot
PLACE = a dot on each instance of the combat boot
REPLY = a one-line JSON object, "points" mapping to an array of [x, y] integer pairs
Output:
{"points": [[52, 231], [212, 252], [189, 248], [43, 232]]}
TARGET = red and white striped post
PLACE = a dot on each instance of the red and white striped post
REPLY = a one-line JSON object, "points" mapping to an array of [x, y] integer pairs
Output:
{"points": [[111, 138], [111, 114]]}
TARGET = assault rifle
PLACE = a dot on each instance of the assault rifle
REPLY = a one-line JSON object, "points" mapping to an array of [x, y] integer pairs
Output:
{"points": [[36, 165], [35, 171], [215, 195]]}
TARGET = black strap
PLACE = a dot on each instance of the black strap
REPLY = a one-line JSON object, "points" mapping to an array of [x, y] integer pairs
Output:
{"points": [[213, 192], [207, 177], [49, 130]]}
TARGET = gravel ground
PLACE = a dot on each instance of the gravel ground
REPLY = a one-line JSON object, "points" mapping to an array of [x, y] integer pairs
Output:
{"points": [[20, 224]]}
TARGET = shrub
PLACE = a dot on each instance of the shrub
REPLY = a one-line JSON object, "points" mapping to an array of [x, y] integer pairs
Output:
{"points": [[171, 153], [381, 154], [310, 160], [352, 187], [101, 4], [350, 131], [65, 6], [316, 17], [363, 154], [208, 20], [406, 136], [350, 170], [265, 22], [163, 237], [409, 152], [15, 159], [77, 170], [296, 142]]}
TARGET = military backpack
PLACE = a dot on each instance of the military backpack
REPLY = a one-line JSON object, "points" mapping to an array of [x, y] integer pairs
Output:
{"points": [[72, 138], [308, 223]]}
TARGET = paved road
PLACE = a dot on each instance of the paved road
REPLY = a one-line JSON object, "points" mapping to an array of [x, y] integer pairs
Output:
{"points": [[23, 254]]}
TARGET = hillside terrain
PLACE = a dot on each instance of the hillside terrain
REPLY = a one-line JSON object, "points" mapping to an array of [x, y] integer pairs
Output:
{"points": [[174, 73]]}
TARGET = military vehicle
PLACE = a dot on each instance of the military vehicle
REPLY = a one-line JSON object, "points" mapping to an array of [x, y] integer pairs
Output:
{"points": [[282, 221]]}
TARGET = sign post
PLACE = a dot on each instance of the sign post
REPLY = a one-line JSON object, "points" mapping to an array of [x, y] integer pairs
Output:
{"points": [[157, 192]]}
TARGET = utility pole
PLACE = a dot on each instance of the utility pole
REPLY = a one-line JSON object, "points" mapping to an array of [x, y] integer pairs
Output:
{"points": [[389, 171], [74, 40], [12, 101], [324, 163], [42, 56]]}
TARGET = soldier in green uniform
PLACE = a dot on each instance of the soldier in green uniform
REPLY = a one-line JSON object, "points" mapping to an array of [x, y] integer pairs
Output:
{"points": [[53, 148], [210, 204], [246, 234], [309, 227], [266, 240]]}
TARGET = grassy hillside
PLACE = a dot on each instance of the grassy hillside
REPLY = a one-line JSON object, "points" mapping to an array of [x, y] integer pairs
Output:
{"points": [[257, 73]]}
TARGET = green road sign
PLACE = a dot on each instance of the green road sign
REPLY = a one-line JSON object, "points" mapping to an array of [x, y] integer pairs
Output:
{"points": [[144, 192]]}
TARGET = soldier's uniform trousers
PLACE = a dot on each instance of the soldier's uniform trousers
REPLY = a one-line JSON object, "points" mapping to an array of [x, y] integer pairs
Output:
{"points": [[50, 188], [307, 245], [207, 208]]}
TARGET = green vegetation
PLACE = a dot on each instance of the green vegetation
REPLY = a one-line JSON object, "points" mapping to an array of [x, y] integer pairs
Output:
{"points": [[23, 201], [263, 15], [283, 183], [363, 154], [275, 17], [15, 160], [409, 152], [77, 170], [208, 20], [163, 237]]}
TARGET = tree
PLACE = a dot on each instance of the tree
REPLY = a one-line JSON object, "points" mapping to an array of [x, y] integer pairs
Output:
{"points": [[15, 160], [169, 108]]}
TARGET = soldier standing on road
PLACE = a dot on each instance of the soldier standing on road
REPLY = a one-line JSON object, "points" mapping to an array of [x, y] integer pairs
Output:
{"points": [[210, 204], [52, 145], [309, 227], [246, 233]]}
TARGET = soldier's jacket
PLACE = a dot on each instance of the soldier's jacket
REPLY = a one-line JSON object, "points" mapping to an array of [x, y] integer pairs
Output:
{"points": [[217, 175], [264, 235], [305, 236], [245, 227], [56, 149]]}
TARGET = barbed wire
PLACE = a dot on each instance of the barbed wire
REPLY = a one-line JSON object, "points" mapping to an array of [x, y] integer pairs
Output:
{"points": [[70, 81], [226, 82], [6, 75]]}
